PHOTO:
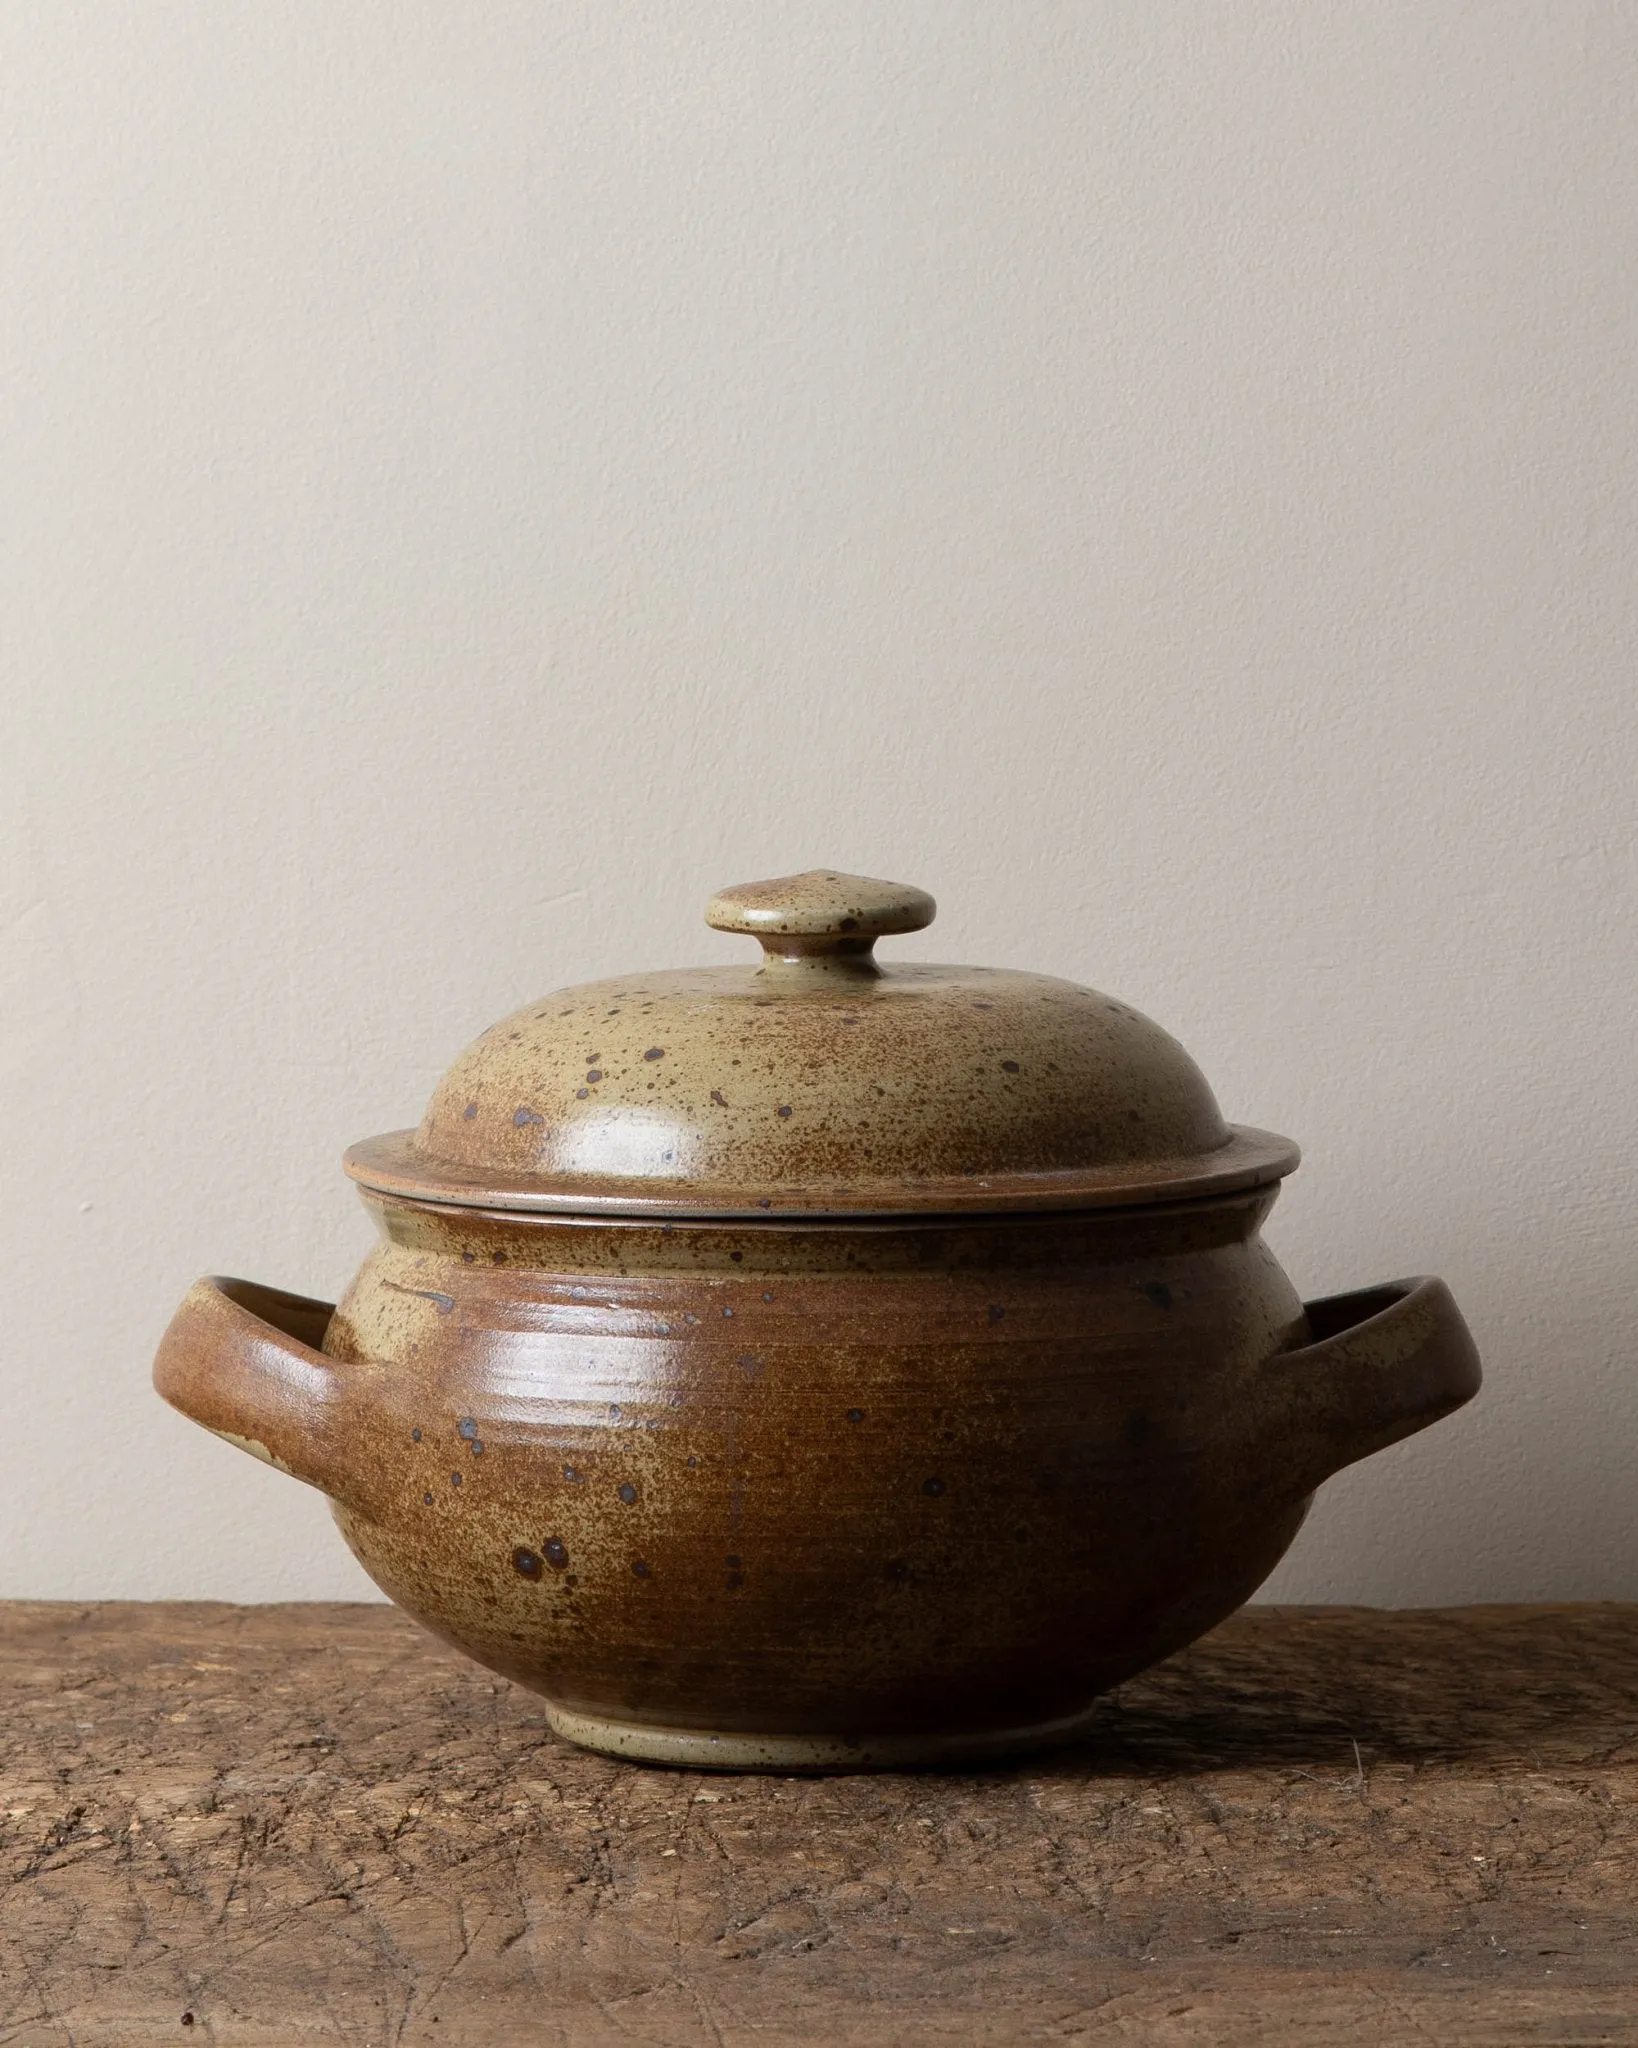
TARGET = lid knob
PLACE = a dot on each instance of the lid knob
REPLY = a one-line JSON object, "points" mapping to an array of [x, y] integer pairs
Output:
{"points": [[820, 922]]}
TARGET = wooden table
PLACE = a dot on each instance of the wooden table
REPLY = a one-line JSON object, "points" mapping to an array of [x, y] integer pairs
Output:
{"points": [[284, 1825]]}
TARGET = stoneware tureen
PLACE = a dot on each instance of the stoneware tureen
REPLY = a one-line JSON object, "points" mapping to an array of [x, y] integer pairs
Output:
{"points": [[820, 1365]]}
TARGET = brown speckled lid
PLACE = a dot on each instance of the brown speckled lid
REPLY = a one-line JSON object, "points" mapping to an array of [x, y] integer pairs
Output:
{"points": [[822, 1082]]}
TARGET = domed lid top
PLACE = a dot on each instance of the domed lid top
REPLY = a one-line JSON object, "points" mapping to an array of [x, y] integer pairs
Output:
{"points": [[821, 1082]]}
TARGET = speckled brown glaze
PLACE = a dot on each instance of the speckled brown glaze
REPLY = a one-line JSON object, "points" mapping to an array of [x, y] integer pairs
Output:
{"points": [[820, 1491], [823, 1496], [821, 1082]]}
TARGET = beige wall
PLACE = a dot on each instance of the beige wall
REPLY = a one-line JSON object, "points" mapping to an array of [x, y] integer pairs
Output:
{"points": [[1158, 474]]}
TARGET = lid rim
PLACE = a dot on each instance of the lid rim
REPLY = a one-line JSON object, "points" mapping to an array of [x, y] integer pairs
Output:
{"points": [[388, 1165]]}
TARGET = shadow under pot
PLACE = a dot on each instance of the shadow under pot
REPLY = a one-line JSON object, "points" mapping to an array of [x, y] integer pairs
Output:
{"points": [[826, 1366]]}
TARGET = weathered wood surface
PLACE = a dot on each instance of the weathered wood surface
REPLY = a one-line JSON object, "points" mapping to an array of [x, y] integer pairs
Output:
{"points": [[294, 1825]]}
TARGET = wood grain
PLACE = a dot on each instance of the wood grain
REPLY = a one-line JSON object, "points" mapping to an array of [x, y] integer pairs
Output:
{"points": [[291, 1825]]}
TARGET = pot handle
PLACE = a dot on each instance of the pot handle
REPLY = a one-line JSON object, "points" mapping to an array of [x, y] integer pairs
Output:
{"points": [[1385, 1362], [244, 1361]]}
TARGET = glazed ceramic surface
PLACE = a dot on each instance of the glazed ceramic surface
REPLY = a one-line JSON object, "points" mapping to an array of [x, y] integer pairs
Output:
{"points": [[819, 1368], [821, 1082]]}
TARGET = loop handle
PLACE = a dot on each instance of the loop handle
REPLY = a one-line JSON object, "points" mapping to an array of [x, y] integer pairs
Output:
{"points": [[1385, 1362], [244, 1360]]}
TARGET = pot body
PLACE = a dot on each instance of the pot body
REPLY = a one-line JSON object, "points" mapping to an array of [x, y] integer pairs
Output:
{"points": [[748, 1493], [833, 1365]]}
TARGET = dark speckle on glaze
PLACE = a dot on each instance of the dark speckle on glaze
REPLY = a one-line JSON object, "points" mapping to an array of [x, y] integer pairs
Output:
{"points": [[527, 1563], [1158, 1292], [415, 1436], [933, 1487], [639, 1570], [996, 1312], [455, 1478], [855, 1415], [555, 1552], [626, 1492], [467, 1427]]}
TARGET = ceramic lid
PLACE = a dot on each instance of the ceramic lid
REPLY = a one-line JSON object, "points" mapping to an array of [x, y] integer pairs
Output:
{"points": [[821, 1082]]}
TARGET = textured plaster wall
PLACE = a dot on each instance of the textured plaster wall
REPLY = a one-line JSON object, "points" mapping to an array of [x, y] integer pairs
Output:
{"points": [[1158, 474]]}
